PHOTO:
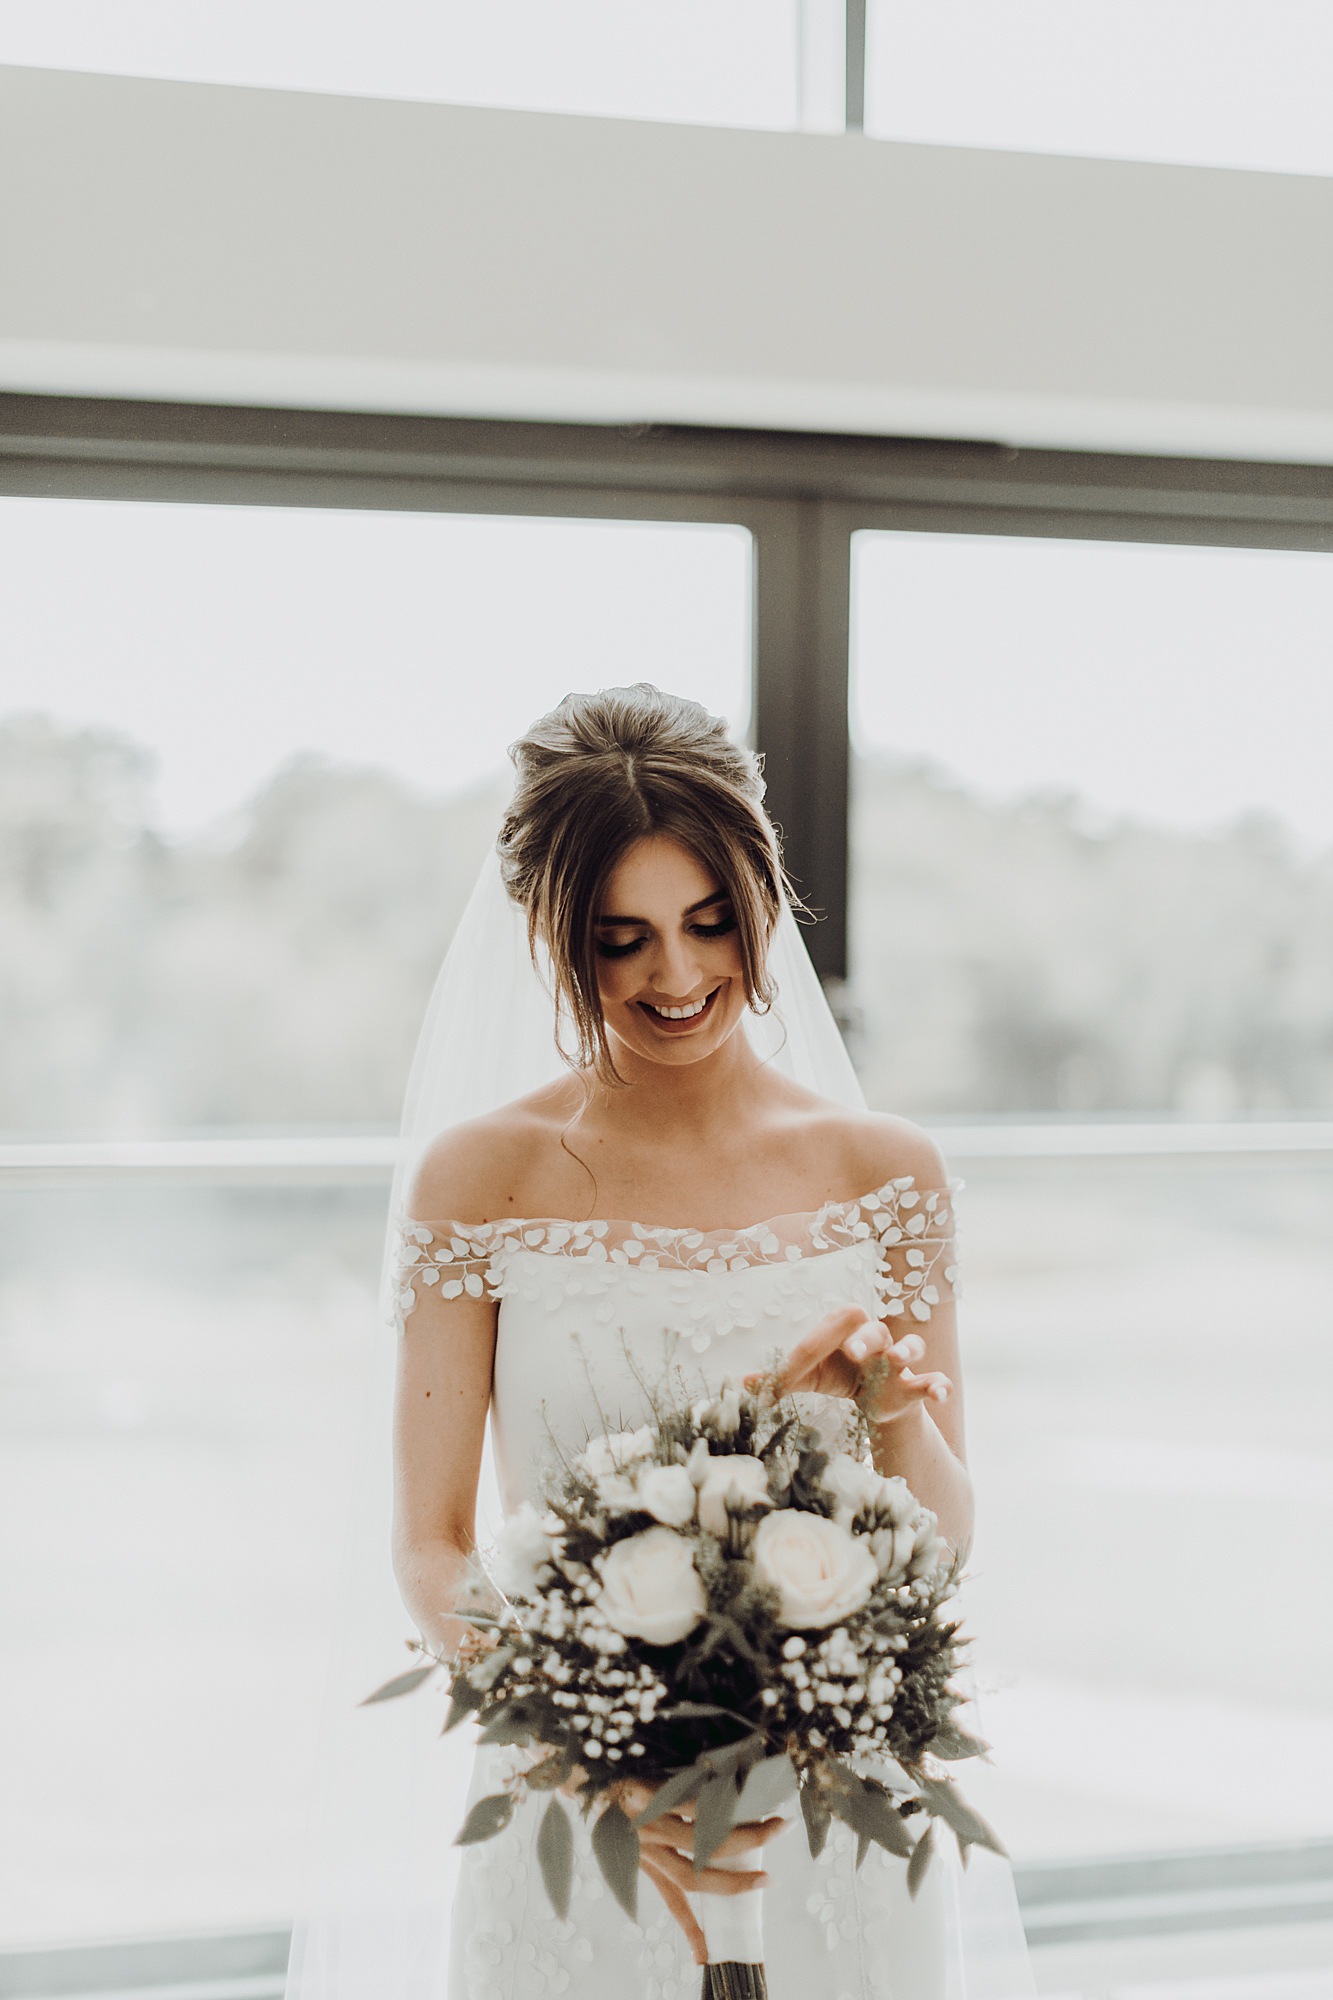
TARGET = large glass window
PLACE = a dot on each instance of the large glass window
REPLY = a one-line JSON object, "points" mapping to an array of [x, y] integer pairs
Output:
{"points": [[773, 63], [249, 763], [1217, 83], [1092, 936]]}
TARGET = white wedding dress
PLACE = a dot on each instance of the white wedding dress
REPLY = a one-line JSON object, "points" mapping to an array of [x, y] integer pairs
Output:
{"points": [[590, 1313]]}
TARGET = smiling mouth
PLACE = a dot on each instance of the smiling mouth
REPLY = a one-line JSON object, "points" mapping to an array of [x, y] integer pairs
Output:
{"points": [[675, 1019]]}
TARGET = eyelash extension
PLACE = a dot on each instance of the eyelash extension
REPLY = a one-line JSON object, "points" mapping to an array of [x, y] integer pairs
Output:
{"points": [[700, 930]]}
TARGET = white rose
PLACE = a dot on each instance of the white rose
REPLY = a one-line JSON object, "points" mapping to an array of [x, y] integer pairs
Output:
{"points": [[650, 1588], [820, 1572], [524, 1550], [720, 1414], [730, 1484], [893, 1550], [667, 1491], [852, 1486], [897, 1500], [602, 1456]]}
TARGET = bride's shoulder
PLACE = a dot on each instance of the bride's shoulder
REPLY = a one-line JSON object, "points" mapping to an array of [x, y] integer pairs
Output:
{"points": [[479, 1171], [874, 1147]]}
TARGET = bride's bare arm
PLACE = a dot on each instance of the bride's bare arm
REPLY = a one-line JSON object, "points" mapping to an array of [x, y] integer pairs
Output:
{"points": [[445, 1360]]}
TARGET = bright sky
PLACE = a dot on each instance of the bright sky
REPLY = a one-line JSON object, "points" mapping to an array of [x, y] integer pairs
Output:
{"points": [[228, 638], [1179, 685], [1217, 82]]}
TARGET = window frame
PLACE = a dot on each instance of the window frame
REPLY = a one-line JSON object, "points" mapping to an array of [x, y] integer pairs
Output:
{"points": [[802, 496]]}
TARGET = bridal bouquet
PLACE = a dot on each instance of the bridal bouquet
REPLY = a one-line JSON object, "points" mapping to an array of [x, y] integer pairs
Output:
{"points": [[722, 1608]]}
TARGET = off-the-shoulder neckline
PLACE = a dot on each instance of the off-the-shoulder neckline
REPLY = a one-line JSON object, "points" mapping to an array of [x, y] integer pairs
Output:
{"points": [[876, 1198]]}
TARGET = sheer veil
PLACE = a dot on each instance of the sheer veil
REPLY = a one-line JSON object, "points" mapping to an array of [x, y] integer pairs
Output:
{"points": [[389, 1791]]}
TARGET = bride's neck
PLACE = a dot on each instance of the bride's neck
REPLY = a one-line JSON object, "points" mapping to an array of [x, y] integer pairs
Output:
{"points": [[692, 1098]]}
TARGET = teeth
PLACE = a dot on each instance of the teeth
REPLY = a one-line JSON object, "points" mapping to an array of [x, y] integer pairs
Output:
{"points": [[682, 1013]]}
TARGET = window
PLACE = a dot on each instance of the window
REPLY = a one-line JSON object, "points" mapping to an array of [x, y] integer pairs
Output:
{"points": [[252, 760], [1092, 935], [1213, 83]]}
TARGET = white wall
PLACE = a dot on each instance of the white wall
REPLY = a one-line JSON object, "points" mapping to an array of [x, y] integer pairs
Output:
{"points": [[231, 245]]}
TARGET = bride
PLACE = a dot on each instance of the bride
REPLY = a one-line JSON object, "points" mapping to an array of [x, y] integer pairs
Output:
{"points": [[675, 1200]]}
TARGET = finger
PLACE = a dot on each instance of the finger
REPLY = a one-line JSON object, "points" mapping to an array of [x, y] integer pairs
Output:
{"points": [[754, 1833], [910, 1388], [805, 1358], [679, 1905], [866, 1341], [669, 1830], [910, 1349], [706, 1881]]}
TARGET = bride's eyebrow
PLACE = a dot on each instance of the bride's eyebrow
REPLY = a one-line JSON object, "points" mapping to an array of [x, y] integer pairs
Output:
{"points": [[704, 903]]}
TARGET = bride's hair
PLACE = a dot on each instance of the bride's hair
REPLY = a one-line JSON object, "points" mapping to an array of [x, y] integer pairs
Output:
{"points": [[602, 771]]}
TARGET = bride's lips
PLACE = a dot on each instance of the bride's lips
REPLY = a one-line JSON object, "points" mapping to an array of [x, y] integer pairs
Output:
{"points": [[666, 1027]]}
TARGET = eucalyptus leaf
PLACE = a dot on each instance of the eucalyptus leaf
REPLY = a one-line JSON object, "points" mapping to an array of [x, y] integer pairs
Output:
{"points": [[948, 1804], [863, 1847], [681, 1785], [867, 1811], [731, 1756], [714, 1817], [488, 1817], [555, 1853], [817, 1818], [462, 1704], [766, 1786], [616, 1846], [516, 1722], [953, 1743], [922, 1854], [400, 1684]]}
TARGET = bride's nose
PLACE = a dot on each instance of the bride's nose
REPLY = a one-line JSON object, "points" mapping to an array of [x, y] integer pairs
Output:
{"points": [[676, 970]]}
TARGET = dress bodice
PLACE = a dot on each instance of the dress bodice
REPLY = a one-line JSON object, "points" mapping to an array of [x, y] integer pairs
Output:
{"points": [[593, 1316]]}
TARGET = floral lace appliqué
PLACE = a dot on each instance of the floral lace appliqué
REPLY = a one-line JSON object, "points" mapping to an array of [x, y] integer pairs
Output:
{"points": [[908, 1231]]}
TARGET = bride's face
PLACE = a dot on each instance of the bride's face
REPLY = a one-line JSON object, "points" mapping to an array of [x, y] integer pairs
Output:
{"points": [[668, 954]]}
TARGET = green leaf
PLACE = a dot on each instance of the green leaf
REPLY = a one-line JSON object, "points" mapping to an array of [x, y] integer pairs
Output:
{"points": [[867, 1811], [517, 1722], [921, 1859], [816, 1816], [681, 1785], [942, 1798], [400, 1684], [727, 1760], [616, 1846], [952, 1743], [766, 1786], [555, 1852], [488, 1817], [464, 1700], [714, 1817]]}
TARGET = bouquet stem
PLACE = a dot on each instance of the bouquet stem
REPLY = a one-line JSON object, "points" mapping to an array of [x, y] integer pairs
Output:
{"points": [[734, 1981]]}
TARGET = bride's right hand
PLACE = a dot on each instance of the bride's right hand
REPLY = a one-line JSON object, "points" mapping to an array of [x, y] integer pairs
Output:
{"points": [[666, 1856]]}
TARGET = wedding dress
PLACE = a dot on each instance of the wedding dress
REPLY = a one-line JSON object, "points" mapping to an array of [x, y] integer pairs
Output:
{"points": [[590, 1313]]}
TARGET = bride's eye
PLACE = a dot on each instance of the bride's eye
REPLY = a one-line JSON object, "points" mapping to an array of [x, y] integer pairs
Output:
{"points": [[605, 949], [719, 929]]}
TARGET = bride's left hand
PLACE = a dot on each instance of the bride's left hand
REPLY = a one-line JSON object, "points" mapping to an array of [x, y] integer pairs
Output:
{"points": [[850, 1354]]}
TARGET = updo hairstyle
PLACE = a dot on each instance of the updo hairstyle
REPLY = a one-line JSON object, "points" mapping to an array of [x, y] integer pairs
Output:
{"points": [[600, 772]]}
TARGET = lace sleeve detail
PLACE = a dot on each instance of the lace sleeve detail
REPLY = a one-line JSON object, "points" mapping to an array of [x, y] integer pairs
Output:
{"points": [[914, 1230], [454, 1260]]}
